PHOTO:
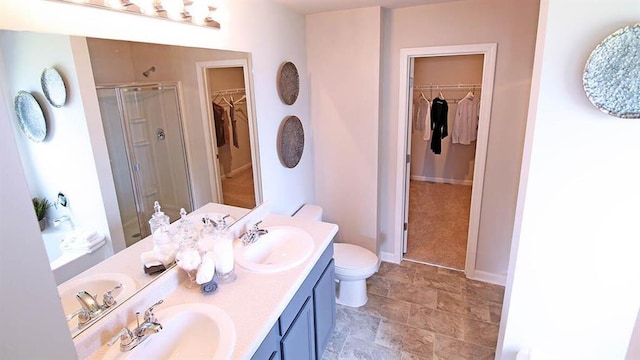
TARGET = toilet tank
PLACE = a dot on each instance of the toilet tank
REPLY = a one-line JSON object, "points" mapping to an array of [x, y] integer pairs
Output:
{"points": [[309, 212]]}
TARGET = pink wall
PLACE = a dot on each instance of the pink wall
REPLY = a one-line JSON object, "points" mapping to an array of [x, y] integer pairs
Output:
{"points": [[343, 51], [510, 24]]}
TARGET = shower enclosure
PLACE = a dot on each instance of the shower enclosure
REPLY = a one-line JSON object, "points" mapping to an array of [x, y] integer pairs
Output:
{"points": [[144, 133]]}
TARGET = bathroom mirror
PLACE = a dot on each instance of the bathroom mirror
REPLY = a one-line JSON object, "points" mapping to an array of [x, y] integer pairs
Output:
{"points": [[98, 172]]}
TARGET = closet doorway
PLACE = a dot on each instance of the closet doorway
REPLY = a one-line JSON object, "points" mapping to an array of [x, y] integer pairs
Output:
{"points": [[442, 157], [230, 126], [444, 154]]}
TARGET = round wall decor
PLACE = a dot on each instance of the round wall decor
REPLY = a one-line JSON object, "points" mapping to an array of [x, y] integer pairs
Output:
{"points": [[612, 74], [291, 141], [53, 87], [30, 116], [288, 83]]}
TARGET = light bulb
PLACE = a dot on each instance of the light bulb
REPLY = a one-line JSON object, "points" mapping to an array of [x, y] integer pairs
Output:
{"points": [[146, 6], [199, 11], [173, 8], [114, 4]]}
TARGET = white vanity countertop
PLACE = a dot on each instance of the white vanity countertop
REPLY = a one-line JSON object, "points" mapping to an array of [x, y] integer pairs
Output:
{"points": [[254, 301]]}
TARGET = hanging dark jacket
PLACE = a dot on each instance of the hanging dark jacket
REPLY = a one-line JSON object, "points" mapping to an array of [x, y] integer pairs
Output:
{"points": [[439, 109], [220, 122]]}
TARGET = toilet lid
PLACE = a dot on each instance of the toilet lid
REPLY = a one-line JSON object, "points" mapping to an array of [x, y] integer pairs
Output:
{"points": [[353, 257]]}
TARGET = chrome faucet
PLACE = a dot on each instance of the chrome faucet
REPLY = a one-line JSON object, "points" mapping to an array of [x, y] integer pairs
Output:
{"points": [[89, 306], [129, 339], [63, 219], [253, 234]]}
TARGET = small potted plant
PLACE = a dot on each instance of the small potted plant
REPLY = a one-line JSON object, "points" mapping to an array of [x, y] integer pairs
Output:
{"points": [[40, 205]]}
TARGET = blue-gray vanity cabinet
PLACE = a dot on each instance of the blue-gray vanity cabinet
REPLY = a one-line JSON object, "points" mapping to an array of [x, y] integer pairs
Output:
{"points": [[299, 341], [324, 306], [305, 326], [270, 347]]}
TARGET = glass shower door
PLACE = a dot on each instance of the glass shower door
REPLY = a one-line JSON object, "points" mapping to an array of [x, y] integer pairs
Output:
{"points": [[143, 126], [152, 122]]}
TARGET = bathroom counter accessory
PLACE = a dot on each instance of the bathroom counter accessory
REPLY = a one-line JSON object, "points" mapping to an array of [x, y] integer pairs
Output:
{"points": [[255, 301]]}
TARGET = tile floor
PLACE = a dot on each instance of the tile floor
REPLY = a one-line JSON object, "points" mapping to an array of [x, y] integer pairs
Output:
{"points": [[418, 311]]}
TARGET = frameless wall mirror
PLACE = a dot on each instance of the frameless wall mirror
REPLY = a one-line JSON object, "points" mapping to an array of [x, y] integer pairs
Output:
{"points": [[151, 121], [612, 74]]}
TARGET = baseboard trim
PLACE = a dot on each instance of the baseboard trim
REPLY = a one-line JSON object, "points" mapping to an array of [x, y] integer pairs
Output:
{"points": [[483, 276], [237, 170], [488, 277], [387, 257], [442, 180]]}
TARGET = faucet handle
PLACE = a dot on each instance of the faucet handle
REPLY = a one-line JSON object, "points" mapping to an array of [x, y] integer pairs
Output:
{"points": [[107, 299], [125, 335], [149, 316], [82, 314]]}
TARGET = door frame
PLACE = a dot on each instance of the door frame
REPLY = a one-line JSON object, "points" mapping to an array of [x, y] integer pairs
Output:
{"points": [[489, 50], [209, 131]]}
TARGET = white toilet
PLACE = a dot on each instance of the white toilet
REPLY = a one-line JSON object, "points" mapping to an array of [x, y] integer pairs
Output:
{"points": [[353, 265]]}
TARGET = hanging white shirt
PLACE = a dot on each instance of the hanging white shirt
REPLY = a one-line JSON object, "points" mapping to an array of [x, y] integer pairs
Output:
{"points": [[465, 125], [422, 117]]}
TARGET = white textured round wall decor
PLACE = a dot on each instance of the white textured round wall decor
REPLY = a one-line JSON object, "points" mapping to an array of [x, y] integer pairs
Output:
{"points": [[612, 74], [53, 87], [30, 116]]}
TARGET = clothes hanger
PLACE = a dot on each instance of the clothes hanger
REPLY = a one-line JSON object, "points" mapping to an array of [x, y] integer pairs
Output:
{"points": [[469, 95], [440, 94], [423, 97], [241, 98]]}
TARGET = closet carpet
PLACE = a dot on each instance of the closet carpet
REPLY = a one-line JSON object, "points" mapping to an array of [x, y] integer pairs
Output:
{"points": [[438, 223], [238, 190]]}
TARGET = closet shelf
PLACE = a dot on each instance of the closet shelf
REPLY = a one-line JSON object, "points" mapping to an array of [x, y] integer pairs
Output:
{"points": [[227, 92], [461, 87]]}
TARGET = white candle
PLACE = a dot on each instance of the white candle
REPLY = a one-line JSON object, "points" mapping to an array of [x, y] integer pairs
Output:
{"points": [[223, 250]]}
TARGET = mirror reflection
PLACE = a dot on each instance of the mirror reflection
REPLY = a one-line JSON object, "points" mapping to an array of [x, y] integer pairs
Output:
{"points": [[138, 126]]}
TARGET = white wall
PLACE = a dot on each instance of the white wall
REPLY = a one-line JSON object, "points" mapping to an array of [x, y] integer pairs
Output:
{"points": [[343, 50], [573, 277], [63, 162], [271, 33], [28, 286], [510, 24]]}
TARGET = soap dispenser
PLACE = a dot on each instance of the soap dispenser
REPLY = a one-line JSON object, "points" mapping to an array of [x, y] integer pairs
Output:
{"points": [[158, 218], [223, 251]]}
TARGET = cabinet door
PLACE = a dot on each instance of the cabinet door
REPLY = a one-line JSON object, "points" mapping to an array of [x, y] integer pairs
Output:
{"points": [[299, 341], [270, 347], [324, 303]]}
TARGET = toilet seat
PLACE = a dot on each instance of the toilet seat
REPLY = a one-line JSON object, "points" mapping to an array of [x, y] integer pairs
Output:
{"points": [[353, 260]]}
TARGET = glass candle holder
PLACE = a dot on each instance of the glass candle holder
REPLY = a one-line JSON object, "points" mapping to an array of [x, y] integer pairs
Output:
{"points": [[223, 251]]}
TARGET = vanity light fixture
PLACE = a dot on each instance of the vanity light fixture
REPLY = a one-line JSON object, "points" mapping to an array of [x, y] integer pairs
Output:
{"points": [[196, 12]]}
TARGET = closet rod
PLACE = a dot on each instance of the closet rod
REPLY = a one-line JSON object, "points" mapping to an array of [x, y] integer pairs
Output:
{"points": [[228, 91], [448, 87]]}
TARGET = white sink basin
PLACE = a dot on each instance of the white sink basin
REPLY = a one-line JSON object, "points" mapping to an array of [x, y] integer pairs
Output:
{"points": [[95, 285], [282, 248], [189, 331]]}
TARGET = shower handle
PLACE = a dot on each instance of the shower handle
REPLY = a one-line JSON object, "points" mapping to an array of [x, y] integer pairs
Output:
{"points": [[160, 135]]}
